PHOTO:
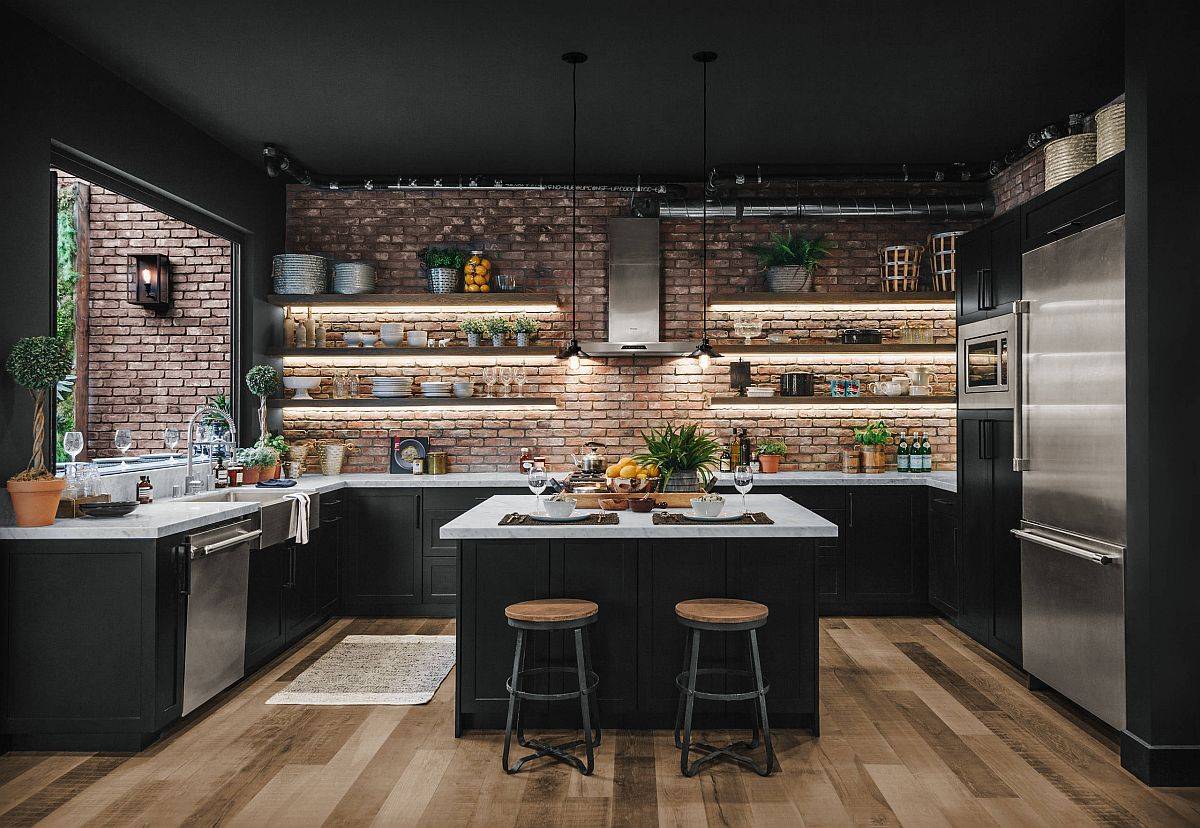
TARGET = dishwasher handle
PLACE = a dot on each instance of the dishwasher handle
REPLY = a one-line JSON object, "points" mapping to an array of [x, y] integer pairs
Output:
{"points": [[228, 543], [1077, 551]]}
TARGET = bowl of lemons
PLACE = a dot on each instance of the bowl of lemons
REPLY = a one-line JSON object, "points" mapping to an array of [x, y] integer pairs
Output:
{"points": [[626, 475]]}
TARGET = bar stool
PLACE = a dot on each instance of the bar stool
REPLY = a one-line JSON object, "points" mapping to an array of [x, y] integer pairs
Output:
{"points": [[721, 615], [554, 614]]}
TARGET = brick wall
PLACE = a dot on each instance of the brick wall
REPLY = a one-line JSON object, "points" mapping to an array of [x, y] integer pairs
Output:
{"points": [[1020, 182], [149, 370], [529, 234]]}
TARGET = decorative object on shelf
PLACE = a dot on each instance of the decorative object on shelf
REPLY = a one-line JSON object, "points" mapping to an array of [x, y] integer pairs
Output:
{"points": [[1068, 156], [507, 282], [310, 330], [263, 381], [299, 273], [851, 461], [353, 277], [38, 364], [444, 264], [368, 340], [685, 457], [920, 375], [418, 339], [498, 327], [770, 453], [391, 387], [573, 350], [351, 339], [943, 263], [790, 262], [796, 384], [301, 385], [887, 388], [150, 281], [1110, 129], [438, 462], [861, 336], [332, 454], [916, 332], [463, 389], [844, 387], [759, 391], [778, 339], [871, 440], [473, 328], [526, 328], [900, 267], [403, 451], [748, 329], [739, 376], [704, 353], [391, 334], [322, 336], [477, 273]]}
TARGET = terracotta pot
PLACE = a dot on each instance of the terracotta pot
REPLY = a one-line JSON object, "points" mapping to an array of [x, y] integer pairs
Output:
{"points": [[36, 501], [250, 475], [275, 470], [769, 463], [874, 460]]}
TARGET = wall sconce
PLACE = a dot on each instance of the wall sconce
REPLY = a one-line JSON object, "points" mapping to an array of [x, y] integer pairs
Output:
{"points": [[151, 281]]}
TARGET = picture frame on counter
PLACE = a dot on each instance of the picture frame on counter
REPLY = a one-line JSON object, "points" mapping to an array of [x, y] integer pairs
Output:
{"points": [[405, 451]]}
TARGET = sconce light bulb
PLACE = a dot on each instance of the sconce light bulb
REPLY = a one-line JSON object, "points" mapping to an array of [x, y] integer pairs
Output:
{"points": [[573, 362], [705, 360], [146, 275]]}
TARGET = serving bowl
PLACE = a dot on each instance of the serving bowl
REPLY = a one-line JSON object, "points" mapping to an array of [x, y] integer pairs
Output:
{"points": [[391, 334], [559, 508], [707, 508], [463, 388], [614, 504], [369, 340], [301, 385], [645, 503], [418, 339], [352, 340]]}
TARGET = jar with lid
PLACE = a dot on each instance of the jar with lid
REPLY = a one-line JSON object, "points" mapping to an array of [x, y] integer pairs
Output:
{"points": [[477, 273]]}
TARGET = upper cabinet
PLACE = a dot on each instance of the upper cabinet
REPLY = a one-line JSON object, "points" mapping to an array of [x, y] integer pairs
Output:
{"points": [[989, 269]]}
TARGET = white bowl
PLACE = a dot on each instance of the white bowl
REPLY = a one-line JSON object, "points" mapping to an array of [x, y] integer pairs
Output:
{"points": [[301, 385], [418, 339], [352, 340], [391, 334], [559, 508], [920, 390], [464, 389], [369, 340], [707, 508]]}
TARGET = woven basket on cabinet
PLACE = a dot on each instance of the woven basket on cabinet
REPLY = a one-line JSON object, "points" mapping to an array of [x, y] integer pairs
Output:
{"points": [[1110, 130], [1069, 156]]}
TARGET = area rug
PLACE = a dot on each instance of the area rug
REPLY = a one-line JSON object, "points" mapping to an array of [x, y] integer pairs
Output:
{"points": [[374, 669]]}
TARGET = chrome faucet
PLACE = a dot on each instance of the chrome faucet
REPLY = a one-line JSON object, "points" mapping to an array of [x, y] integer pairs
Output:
{"points": [[191, 483]]}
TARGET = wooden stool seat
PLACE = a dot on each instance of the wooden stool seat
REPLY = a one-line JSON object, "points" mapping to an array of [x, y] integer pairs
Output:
{"points": [[721, 611], [552, 610]]}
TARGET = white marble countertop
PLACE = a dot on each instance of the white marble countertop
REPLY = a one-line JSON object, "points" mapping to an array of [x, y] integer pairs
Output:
{"points": [[944, 480], [791, 521], [153, 520]]}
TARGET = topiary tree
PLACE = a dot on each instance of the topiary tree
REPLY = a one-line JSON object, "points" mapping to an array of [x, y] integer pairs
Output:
{"points": [[38, 363], [263, 381]]}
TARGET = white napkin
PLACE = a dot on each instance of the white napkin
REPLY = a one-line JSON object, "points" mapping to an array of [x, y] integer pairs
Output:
{"points": [[303, 505]]}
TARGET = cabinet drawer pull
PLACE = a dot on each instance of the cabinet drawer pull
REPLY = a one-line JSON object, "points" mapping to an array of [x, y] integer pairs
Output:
{"points": [[1076, 222], [849, 509]]}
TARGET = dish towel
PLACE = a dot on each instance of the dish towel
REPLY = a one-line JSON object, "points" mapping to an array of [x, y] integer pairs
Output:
{"points": [[303, 503]]}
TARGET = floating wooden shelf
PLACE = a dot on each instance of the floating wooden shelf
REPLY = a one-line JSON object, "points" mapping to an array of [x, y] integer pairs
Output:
{"points": [[482, 352], [418, 402], [479, 302], [737, 301], [801, 348], [805, 402]]}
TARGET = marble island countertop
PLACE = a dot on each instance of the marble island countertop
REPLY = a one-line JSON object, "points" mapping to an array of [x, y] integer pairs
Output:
{"points": [[790, 521]]}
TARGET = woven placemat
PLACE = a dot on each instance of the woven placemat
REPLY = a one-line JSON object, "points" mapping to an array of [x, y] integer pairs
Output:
{"points": [[677, 519], [598, 519]]}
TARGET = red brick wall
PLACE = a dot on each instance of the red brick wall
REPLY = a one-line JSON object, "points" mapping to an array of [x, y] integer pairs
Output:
{"points": [[1022, 181], [147, 370], [529, 234]]}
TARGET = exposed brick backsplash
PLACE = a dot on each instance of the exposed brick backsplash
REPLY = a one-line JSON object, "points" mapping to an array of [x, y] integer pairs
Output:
{"points": [[529, 234], [1019, 182]]}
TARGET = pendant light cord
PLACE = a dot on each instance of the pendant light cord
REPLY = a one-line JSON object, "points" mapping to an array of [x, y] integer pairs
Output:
{"points": [[574, 192], [704, 196]]}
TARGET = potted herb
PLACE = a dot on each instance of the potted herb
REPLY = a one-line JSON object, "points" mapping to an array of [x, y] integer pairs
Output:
{"points": [[266, 460], [526, 328], [790, 262], [38, 363], [871, 439], [473, 328], [444, 263], [246, 459], [280, 447], [263, 381], [498, 327], [684, 456], [770, 452]]}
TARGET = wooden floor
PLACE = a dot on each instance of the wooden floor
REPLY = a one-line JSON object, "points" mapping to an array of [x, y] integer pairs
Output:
{"points": [[920, 727]]}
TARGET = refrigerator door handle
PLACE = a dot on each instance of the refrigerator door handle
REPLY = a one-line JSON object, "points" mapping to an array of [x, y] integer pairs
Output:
{"points": [[1016, 373], [1077, 551]]}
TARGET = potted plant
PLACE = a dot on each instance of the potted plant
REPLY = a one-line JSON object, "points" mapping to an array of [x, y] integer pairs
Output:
{"points": [[280, 446], [790, 262], [871, 439], [264, 459], [770, 452], [684, 456], [498, 327], [37, 363], [263, 381], [246, 459], [526, 328], [444, 263], [473, 328]]}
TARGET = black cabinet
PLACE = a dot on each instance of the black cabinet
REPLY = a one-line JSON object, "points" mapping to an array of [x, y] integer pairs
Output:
{"points": [[300, 588], [269, 569], [886, 568], [989, 502], [989, 268], [381, 562], [943, 552], [328, 551], [1088, 199]]}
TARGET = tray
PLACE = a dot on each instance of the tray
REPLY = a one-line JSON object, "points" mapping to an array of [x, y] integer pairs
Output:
{"points": [[674, 500]]}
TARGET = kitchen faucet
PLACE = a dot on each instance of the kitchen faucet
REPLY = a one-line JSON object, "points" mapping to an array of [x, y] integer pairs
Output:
{"points": [[192, 484]]}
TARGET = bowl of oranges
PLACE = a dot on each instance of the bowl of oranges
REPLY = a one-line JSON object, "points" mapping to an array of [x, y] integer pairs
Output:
{"points": [[477, 273], [626, 475]]}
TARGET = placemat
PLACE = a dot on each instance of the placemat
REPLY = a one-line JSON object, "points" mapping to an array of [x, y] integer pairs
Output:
{"points": [[677, 519], [598, 519]]}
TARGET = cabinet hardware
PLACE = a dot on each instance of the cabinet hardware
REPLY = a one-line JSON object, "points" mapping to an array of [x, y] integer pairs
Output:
{"points": [[1078, 552], [183, 570], [849, 509], [1078, 222]]}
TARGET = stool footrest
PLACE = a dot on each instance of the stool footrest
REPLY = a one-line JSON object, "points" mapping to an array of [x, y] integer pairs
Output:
{"points": [[681, 681], [593, 681]]}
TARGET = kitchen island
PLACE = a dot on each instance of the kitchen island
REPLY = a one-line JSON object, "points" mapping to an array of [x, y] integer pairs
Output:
{"points": [[637, 571]]}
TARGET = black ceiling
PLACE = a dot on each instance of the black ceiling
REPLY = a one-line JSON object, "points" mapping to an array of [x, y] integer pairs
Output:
{"points": [[456, 86]]}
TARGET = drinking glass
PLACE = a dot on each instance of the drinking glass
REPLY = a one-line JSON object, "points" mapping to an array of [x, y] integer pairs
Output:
{"points": [[518, 375], [506, 378], [123, 441], [537, 484], [171, 439], [489, 378], [73, 444], [89, 480], [743, 481]]}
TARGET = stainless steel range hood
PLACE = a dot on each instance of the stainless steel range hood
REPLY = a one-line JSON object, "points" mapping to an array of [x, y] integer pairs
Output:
{"points": [[635, 293]]}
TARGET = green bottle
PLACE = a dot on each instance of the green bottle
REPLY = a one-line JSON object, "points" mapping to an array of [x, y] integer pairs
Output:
{"points": [[903, 463], [926, 454]]}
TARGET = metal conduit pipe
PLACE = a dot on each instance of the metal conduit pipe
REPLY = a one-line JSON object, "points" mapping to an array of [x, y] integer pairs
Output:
{"points": [[833, 207]]}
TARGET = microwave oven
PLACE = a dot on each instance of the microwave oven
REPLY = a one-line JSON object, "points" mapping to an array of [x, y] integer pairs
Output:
{"points": [[988, 363]]}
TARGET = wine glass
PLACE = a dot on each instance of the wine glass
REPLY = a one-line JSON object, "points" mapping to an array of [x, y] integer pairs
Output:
{"points": [[743, 481], [506, 378], [72, 445], [518, 375], [537, 484], [171, 439], [489, 378], [123, 441]]}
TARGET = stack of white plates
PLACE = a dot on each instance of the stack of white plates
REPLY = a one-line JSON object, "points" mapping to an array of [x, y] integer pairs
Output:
{"points": [[760, 391], [437, 388], [299, 273], [391, 387], [353, 277]]}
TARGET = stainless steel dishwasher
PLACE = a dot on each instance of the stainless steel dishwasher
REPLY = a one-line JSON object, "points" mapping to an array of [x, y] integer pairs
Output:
{"points": [[216, 582]]}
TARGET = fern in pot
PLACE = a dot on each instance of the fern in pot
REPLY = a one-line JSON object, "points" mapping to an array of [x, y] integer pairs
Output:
{"points": [[37, 363], [685, 457], [789, 261], [444, 264]]}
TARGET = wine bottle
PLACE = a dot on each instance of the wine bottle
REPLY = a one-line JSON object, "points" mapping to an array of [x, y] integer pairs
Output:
{"points": [[902, 456], [926, 453]]}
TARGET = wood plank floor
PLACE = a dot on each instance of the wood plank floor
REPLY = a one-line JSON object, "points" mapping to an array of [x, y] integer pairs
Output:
{"points": [[920, 727]]}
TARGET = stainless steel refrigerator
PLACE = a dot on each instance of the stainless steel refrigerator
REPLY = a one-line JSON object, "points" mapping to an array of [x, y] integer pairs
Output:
{"points": [[1070, 447]]}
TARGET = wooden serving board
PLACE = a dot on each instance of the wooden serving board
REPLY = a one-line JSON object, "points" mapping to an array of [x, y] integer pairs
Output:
{"points": [[674, 500]]}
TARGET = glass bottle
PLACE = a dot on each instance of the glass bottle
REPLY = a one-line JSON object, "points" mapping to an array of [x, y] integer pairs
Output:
{"points": [[902, 457]]}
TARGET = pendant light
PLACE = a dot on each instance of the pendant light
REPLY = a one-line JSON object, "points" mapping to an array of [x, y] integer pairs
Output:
{"points": [[574, 350], [704, 353]]}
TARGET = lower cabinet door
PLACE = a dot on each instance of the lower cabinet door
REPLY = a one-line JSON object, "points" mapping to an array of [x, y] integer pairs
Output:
{"points": [[943, 555], [328, 549], [885, 563], [439, 580], [381, 562], [264, 605], [300, 594], [1006, 549]]}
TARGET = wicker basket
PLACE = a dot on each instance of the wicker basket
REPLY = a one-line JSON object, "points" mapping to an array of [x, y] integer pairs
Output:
{"points": [[900, 267], [1068, 157], [943, 262], [792, 279], [1110, 130]]}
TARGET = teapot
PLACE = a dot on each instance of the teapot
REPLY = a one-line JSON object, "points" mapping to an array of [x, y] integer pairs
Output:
{"points": [[920, 375], [591, 461]]}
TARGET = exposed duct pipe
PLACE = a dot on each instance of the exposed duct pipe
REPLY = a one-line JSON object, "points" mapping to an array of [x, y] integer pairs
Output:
{"points": [[834, 207]]}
